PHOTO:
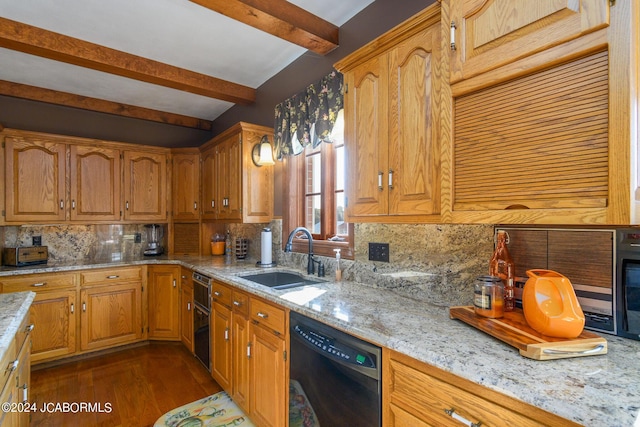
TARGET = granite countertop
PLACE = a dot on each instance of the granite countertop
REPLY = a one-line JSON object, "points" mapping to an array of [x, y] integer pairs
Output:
{"points": [[595, 390], [13, 309]]}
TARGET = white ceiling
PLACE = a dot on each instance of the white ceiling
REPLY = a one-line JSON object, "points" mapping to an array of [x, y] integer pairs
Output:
{"points": [[175, 32]]}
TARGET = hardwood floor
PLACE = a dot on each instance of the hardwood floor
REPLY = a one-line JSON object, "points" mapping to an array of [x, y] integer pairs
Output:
{"points": [[139, 384]]}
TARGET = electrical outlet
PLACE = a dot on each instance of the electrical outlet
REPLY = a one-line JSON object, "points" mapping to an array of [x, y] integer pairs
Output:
{"points": [[379, 252], [137, 238], [36, 240]]}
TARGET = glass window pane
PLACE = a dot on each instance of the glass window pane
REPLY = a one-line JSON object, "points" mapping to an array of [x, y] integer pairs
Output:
{"points": [[342, 227], [313, 210], [314, 174], [340, 168]]}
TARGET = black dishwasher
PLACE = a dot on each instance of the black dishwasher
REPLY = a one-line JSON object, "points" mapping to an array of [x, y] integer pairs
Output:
{"points": [[335, 379]]}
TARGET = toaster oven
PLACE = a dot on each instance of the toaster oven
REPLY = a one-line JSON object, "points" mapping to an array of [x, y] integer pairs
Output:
{"points": [[25, 255]]}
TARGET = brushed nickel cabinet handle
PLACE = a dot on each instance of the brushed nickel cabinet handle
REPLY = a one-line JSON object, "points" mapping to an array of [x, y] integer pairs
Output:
{"points": [[38, 285], [262, 315], [390, 178], [453, 35], [380, 181], [29, 328], [195, 206], [226, 334], [71, 308], [61, 204], [452, 413], [113, 276]]}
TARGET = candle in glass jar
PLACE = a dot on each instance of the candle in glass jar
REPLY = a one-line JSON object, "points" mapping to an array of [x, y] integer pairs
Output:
{"points": [[488, 296]]}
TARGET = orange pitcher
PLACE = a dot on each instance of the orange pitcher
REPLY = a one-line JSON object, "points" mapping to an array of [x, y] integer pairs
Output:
{"points": [[550, 305]]}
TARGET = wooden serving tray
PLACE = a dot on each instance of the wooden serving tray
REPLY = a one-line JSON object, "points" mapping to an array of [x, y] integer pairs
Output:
{"points": [[514, 330]]}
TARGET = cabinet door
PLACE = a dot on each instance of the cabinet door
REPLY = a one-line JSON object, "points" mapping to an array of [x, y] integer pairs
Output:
{"points": [[366, 134], [209, 183], [492, 33], [111, 315], [221, 345], [145, 185], [35, 180], [240, 366], [23, 383], [268, 374], [414, 142], [163, 302], [229, 175], [185, 197], [53, 314], [95, 183], [186, 309], [257, 182]]}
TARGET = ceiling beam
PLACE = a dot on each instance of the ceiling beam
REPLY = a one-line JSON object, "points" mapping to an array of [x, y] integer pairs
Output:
{"points": [[47, 44], [33, 93], [281, 19]]}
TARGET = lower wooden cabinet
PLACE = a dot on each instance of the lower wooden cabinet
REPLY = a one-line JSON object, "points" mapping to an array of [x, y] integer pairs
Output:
{"points": [[240, 377], [186, 308], [111, 315], [220, 328], [15, 380], [417, 394], [164, 295]]}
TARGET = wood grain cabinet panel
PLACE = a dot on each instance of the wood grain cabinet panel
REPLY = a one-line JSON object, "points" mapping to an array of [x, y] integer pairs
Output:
{"points": [[186, 308], [145, 186], [185, 197], [392, 131], [492, 33], [36, 171], [95, 174], [163, 307], [221, 345]]}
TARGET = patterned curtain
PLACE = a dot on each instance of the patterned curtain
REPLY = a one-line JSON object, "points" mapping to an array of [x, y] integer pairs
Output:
{"points": [[308, 117]]}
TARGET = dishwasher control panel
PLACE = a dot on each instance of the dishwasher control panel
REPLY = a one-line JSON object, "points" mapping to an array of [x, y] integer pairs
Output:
{"points": [[334, 347]]}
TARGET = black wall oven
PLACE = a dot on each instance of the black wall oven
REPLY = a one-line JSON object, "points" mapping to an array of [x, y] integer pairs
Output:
{"points": [[628, 283], [201, 312], [335, 379]]}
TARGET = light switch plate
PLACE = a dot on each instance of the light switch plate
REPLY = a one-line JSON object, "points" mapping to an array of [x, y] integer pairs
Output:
{"points": [[379, 252]]}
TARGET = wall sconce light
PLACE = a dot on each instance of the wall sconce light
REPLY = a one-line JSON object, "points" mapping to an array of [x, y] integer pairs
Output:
{"points": [[262, 154]]}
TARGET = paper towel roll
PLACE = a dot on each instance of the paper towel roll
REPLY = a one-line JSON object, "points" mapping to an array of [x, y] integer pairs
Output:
{"points": [[266, 247]]}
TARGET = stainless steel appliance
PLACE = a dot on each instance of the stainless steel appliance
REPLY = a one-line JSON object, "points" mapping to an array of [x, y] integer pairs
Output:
{"points": [[155, 233], [628, 283], [25, 255], [339, 374], [201, 313]]}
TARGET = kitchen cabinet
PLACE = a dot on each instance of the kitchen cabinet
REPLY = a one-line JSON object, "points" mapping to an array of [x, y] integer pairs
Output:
{"points": [[145, 186], [392, 115], [16, 378], [163, 302], [185, 195], [548, 136], [95, 174], [35, 187], [417, 394], [186, 308], [233, 188], [111, 307], [240, 377], [268, 364], [220, 328], [53, 312], [492, 33]]}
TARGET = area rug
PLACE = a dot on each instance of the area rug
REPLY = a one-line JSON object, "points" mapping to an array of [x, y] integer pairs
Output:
{"points": [[301, 413], [217, 410]]}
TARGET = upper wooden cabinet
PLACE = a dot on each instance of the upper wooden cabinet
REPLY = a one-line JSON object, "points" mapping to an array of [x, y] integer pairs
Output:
{"points": [[233, 188], [185, 195], [95, 183], [392, 115], [145, 186], [35, 186], [550, 136], [487, 34]]}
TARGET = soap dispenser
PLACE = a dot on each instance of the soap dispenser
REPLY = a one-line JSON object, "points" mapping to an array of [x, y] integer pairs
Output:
{"points": [[338, 269]]}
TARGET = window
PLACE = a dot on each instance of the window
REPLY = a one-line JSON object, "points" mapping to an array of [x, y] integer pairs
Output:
{"points": [[316, 196]]}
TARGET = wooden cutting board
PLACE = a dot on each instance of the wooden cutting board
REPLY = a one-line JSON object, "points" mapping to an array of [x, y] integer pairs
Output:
{"points": [[514, 330]]}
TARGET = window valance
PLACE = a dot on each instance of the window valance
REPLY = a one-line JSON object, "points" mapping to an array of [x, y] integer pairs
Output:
{"points": [[308, 117]]}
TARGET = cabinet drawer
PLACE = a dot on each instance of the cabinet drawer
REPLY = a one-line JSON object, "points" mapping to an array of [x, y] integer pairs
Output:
{"points": [[439, 397], [269, 315], [38, 282], [240, 302], [110, 275], [221, 293]]}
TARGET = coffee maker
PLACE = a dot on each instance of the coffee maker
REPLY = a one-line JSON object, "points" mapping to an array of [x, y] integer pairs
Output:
{"points": [[154, 240]]}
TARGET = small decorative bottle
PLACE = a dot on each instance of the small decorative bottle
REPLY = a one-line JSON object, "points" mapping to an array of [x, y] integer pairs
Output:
{"points": [[502, 266]]}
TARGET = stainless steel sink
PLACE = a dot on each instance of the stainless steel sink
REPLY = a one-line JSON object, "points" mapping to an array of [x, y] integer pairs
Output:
{"points": [[280, 279]]}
